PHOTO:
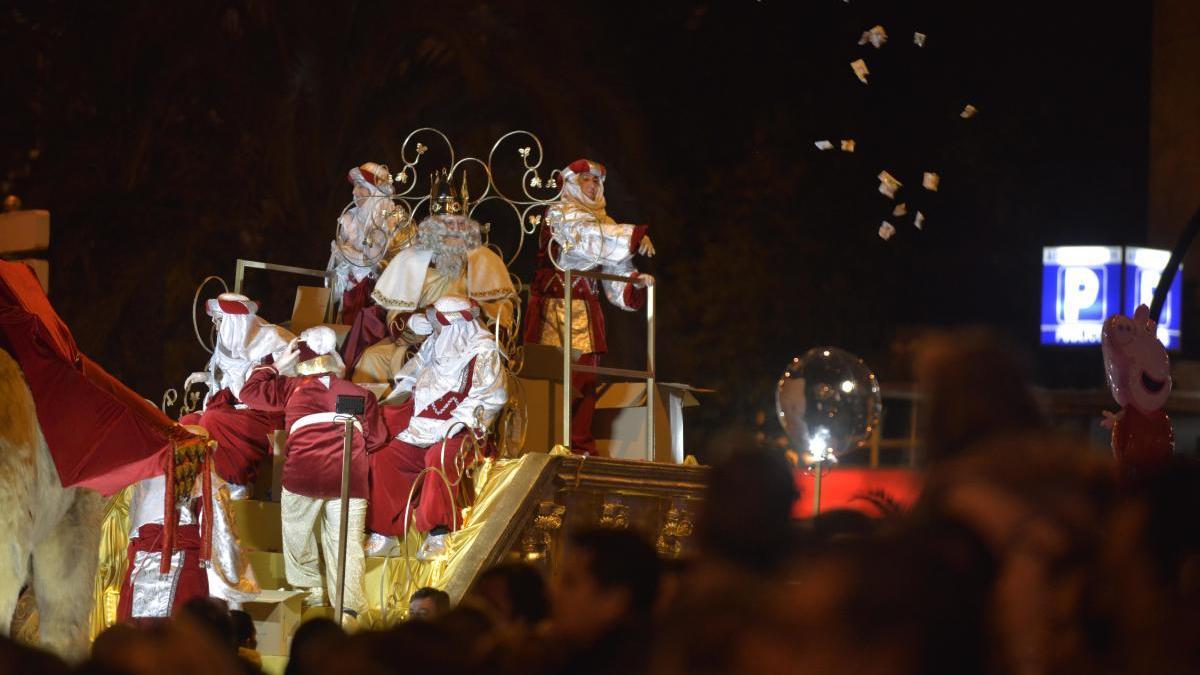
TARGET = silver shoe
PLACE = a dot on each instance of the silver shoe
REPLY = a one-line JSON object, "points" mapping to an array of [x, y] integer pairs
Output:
{"points": [[433, 547], [315, 598], [378, 545]]}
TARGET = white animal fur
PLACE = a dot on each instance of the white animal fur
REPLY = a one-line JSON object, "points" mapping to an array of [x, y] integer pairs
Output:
{"points": [[48, 535]]}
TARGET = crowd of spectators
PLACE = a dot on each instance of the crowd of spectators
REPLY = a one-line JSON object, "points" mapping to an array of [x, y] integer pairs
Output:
{"points": [[1026, 552]]}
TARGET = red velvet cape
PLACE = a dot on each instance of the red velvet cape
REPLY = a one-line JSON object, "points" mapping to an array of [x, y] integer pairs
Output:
{"points": [[101, 434]]}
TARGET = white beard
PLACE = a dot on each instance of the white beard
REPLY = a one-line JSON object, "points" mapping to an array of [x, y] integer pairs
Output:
{"points": [[449, 259]]}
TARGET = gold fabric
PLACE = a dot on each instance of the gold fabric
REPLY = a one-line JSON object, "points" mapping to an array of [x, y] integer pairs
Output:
{"points": [[114, 545], [404, 574], [554, 313], [326, 363], [438, 285], [380, 362]]}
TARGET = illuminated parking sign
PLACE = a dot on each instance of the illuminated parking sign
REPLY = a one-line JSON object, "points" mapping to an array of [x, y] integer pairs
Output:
{"points": [[1143, 268], [1083, 285]]}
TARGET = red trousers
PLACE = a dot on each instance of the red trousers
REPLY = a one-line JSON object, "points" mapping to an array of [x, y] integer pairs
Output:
{"points": [[395, 468], [584, 407], [242, 436], [193, 580]]}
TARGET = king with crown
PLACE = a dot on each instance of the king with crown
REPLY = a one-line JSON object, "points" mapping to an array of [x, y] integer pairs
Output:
{"points": [[580, 235], [448, 258]]}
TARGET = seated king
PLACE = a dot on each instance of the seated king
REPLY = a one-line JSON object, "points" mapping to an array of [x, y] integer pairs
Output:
{"points": [[447, 259]]}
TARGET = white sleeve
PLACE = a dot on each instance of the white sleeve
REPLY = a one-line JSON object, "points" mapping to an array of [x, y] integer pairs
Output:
{"points": [[589, 244], [489, 391], [407, 377], [615, 290]]}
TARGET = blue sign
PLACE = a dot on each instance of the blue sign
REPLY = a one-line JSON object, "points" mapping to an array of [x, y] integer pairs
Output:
{"points": [[1084, 285], [1143, 268], [1081, 287]]}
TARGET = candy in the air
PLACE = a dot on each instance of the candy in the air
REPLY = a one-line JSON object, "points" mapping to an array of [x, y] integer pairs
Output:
{"points": [[930, 181], [847, 145], [919, 39], [824, 145], [876, 36], [886, 230], [860, 70], [919, 220], [968, 112], [888, 184], [900, 209]]}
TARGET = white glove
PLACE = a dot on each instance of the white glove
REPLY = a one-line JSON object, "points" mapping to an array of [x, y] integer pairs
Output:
{"points": [[643, 280], [200, 377], [287, 361], [646, 247]]}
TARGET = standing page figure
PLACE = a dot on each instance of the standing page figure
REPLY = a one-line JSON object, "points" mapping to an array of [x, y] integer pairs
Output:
{"points": [[580, 236]]}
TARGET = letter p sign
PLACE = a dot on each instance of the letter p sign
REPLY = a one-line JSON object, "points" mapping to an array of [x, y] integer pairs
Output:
{"points": [[1081, 294]]}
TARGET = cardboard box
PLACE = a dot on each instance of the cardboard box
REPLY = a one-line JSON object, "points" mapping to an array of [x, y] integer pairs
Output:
{"points": [[619, 424], [276, 616]]}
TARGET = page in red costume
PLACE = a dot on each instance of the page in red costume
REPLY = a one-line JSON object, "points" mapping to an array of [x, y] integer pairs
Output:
{"points": [[313, 466]]}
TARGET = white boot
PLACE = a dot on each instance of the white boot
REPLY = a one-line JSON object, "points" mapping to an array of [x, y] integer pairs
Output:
{"points": [[381, 545], [315, 597], [433, 547]]}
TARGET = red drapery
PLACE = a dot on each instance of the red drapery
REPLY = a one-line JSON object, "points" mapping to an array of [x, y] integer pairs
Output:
{"points": [[101, 434]]}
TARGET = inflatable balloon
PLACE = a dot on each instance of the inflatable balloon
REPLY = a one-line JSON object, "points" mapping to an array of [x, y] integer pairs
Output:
{"points": [[1139, 376], [828, 403]]}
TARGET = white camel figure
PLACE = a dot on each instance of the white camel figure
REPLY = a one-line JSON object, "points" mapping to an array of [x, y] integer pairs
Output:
{"points": [[49, 535]]}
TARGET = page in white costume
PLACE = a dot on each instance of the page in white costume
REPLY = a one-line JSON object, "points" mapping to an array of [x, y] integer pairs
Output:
{"points": [[243, 340], [353, 226], [440, 367]]}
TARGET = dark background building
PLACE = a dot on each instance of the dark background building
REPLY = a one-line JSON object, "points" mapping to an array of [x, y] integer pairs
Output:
{"points": [[169, 139]]}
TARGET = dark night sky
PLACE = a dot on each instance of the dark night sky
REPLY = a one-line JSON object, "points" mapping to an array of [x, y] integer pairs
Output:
{"points": [[176, 137]]}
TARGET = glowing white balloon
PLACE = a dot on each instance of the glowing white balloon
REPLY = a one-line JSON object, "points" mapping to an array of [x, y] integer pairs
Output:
{"points": [[828, 403]]}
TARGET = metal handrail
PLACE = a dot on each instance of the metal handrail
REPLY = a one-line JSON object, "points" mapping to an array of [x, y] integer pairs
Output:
{"points": [[242, 265], [569, 367], [614, 372]]}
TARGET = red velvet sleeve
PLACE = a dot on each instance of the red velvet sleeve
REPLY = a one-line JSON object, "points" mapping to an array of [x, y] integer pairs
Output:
{"points": [[266, 389], [639, 232], [634, 295], [375, 432]]}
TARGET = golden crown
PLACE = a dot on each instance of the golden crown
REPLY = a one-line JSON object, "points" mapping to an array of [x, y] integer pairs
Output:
{"points": [[443, 200]]}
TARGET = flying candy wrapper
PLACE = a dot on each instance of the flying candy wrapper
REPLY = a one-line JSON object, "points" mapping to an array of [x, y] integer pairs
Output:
{"points": [[824, 145], [919, 220], [886, 231], [888, 184], [847, 145], [930, 181], [919, 39], [876, 36], [900, 209], [860, 70], [968, 112]]}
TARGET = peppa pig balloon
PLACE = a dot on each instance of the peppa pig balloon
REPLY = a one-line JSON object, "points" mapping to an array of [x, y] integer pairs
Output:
{"points": [[1139, 375]]}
